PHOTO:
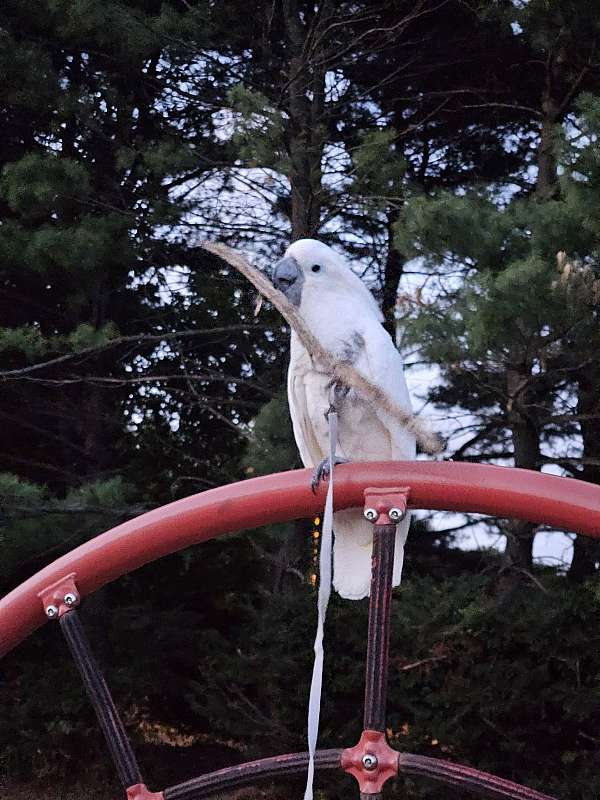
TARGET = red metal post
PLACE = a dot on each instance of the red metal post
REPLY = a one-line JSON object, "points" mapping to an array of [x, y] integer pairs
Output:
{"points": [[384, 508], [378, 636], [372, 761]]}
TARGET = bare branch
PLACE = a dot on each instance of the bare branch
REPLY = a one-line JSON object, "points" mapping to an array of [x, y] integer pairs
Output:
{"points": [[142, 338], [422, 662], [100, 380], [343, 372]]}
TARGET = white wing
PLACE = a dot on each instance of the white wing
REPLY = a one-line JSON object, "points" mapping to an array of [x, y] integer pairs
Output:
{"points": [[368, 433], [305, 387], [382, 364]]}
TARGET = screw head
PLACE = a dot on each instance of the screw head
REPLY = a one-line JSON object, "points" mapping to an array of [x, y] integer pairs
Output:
{"points": [[51, 612], [369, 761], [396, 514], [371, 514], [70, 599]]}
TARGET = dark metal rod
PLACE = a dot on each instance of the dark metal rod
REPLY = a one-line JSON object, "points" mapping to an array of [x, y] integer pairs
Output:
{"points": [[100, 698], [245, 774], [466, 778], [384, 537]]}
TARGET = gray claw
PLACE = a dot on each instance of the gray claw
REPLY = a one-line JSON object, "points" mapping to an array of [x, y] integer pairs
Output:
{"points": [[337, 395], [322, 471]]}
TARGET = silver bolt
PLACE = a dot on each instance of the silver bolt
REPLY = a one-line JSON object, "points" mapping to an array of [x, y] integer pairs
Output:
{"points": [[369, 761], [396, 514], [70, 599], [51, 612], [371, 514]]}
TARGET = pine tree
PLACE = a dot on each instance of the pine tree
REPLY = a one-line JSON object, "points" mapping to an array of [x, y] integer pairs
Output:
{"points": [[499, 323]]}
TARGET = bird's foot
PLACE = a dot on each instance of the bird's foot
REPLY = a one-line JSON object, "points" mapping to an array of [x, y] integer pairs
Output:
{"points": [[337, 395], [322, 471]]}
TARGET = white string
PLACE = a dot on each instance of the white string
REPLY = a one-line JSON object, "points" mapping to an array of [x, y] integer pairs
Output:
{"points": [[314, 703]]}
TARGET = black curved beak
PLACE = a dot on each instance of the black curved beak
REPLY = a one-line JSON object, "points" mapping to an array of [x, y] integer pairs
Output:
{"points": [[287, 277]]}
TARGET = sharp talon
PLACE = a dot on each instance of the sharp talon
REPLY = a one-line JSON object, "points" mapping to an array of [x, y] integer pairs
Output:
{"points": [[322, 471]]}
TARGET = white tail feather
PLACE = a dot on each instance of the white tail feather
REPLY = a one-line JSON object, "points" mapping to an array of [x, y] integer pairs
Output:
{"points": [[352, 553]]}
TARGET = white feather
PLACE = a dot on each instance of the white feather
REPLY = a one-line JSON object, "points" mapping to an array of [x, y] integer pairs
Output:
{"points": [[344, 316]]}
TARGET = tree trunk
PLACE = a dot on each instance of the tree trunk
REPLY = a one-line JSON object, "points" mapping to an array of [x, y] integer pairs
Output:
{"points": [[586, 552], [546, 185], [394, 266], [306, 97], [518, 555], [554, 94]]}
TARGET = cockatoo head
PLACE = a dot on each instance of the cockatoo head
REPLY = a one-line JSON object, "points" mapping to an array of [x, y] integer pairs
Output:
{"points": [[313, 276]]}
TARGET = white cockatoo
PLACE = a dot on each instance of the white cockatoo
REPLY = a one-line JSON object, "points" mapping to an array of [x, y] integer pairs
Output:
{"points": [[343, 315]]}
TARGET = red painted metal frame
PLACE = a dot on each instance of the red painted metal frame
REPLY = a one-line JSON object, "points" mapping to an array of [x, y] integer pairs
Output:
{"points": [[469, 780], [502, 491], [561, 502]]}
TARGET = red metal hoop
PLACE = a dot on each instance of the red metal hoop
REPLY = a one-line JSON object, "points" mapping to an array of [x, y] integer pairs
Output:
{"points": [[56, 590], [502, 491]]}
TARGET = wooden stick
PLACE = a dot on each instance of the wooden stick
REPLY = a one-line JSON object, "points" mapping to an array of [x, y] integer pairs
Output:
{"points": [[341, 372]]}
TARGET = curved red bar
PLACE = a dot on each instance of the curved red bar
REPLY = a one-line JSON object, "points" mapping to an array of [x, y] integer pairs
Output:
{"points": [[501, 491]]}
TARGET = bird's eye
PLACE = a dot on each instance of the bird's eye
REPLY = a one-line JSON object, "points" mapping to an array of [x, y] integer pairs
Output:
{"points": [[316, 268]]}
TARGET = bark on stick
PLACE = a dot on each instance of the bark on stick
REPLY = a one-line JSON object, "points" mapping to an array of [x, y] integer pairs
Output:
{"points": [[343, 372]]}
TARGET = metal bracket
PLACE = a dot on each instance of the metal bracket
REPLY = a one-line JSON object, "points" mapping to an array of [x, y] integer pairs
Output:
{"points": [[386, 506], [372, 762], [60, 597], [141, 792]]}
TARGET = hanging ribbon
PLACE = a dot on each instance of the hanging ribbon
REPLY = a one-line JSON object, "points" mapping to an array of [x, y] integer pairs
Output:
{"points": [[314, 703]]}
